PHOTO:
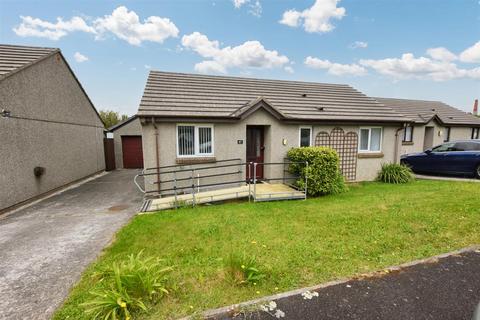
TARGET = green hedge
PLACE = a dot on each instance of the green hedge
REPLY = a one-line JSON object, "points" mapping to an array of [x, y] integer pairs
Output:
{"points": [[323, 173]]}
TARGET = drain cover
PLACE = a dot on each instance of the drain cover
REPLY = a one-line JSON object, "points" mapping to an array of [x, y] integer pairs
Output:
{"points": [[120, 207]]}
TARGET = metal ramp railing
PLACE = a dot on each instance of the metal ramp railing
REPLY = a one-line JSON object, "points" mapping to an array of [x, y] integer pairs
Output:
{"points": [[179, 185]]}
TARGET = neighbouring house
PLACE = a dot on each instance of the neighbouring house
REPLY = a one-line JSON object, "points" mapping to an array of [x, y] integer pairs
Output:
{"points": [[191, 119], [51, 134], [433, 123], [127, 136]]}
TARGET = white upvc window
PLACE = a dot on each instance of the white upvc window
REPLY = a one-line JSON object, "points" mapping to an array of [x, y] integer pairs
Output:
{"points": [[305, 136], [408, 134], [475, 133], [370, 139], [195, 140]]}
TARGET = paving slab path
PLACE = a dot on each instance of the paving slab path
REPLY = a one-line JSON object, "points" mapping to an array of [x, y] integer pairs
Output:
{"points": [[45, 247], [443, 289]]}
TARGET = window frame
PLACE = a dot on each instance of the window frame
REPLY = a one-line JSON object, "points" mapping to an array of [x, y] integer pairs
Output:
{"points": [[404, 139], [369, 139], [300, 135], [196, 141], [447, 138], [475, 136]]}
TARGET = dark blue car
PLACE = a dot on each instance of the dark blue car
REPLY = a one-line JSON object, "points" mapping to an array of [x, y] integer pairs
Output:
{"points": [[451, 158]]}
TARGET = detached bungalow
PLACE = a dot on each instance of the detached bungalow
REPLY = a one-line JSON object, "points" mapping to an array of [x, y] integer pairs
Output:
{"points": [[191, 119], [433, 123]]}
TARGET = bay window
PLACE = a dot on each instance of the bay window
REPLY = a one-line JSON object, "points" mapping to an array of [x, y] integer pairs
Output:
{"points": [[194, 140], [370, 139]]}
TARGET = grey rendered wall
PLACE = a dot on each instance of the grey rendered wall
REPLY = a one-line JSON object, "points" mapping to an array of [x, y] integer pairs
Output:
{"points": [[64, 134], [226, 147], [456, 133], [132, 128]]}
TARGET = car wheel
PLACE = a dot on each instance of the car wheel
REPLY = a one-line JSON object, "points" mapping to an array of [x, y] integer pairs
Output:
{"points": [[477, 172]]}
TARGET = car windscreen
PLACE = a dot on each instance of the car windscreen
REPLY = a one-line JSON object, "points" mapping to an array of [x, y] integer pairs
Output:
{"points": [[444, 147]]}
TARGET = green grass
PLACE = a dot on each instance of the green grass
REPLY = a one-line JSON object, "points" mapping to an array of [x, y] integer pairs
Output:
{"points": [[297, 243]]}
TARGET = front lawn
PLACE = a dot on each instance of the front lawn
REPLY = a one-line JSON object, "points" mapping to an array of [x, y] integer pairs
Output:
{"points": [[297, 243]]}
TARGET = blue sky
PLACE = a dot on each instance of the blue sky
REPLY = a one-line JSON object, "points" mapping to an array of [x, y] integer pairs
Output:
{"points": [[420, 49]]}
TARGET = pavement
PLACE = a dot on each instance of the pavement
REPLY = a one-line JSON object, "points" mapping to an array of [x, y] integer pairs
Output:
{"points": [[447, 288], [45, 248], [444, 178]]}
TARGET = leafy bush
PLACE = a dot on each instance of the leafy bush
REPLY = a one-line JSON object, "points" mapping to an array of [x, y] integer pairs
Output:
{"points": [[124, 288], [243, 269], [395, 173], [323, 173]]}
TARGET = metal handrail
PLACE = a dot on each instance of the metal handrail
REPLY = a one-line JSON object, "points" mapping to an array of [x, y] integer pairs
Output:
{"points": [[205, 176], [183, 165], [190, 186], [196, 169], [195, 177]]}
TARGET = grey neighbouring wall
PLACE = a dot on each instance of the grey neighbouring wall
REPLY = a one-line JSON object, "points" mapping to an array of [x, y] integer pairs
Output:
{"points": [[53, 125]]}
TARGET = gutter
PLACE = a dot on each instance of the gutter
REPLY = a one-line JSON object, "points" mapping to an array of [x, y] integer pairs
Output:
{"points": [[157, 155], [395, 155]]}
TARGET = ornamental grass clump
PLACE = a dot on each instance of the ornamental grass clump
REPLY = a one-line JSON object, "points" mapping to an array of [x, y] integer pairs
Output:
{"points": [[244, 270], [322, 173], [127, 288], [395, 173]]}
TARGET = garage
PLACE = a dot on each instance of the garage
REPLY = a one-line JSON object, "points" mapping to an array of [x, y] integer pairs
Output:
{"points": [[132, 152]]}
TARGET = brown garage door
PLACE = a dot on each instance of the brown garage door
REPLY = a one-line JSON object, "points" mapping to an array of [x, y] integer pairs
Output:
{"points": [[132, 152]]}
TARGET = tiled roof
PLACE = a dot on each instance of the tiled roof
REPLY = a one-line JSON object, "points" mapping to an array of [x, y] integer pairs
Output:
{"points": [[422, 111], [14, 58], [189, 95]]}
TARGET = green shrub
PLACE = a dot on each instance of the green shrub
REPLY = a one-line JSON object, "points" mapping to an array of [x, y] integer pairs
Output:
{"points": [[244, 270], [126, 287], [323, 173], [395, 173]]}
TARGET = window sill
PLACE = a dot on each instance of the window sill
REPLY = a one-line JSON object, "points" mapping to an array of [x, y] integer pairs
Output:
{"points": [[407, 143], [368, 155], [195, 160]]}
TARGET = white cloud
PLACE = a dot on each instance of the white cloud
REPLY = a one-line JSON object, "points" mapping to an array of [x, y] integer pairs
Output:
{"points": [[471, 54], [255, 7], [408, 67], [210, 66], [316, 18], [289, 69], [358, 44], [336, 69], [80, 57], [239, 3], [126, 25], [441, 54], [34, 27], [122, 23], [250, 54]]}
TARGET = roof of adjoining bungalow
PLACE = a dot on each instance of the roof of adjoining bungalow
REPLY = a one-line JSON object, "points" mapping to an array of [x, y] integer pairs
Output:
{"points": [[15, 58], [179, 95], [122, 123], [422, 111]]}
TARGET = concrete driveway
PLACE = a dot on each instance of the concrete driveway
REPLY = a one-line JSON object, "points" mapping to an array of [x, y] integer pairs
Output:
{"points": [[44, 248]]}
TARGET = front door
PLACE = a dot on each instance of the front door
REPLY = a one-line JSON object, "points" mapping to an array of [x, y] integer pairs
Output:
{"points": [[428, 139], [255, 150]]}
